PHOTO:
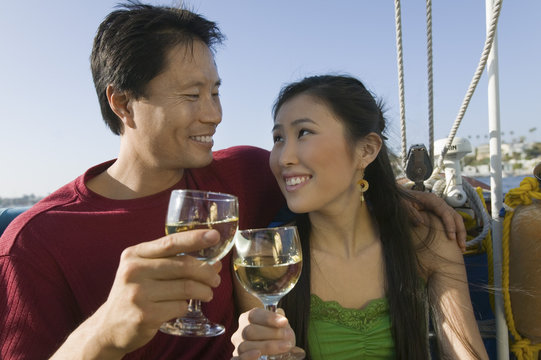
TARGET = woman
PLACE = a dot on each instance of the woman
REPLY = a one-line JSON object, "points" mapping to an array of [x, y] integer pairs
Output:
{"points": [[368, 274]]}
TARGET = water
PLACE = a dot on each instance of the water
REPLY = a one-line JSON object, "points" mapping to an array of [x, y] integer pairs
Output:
{"points": [[508, 183]]}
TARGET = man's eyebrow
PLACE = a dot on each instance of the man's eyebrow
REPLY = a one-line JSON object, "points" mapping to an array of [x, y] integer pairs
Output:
{"points": [[294, 123], [198, 83]]}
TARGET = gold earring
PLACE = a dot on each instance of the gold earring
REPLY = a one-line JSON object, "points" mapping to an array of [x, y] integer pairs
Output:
{"points": [[363, 186]]}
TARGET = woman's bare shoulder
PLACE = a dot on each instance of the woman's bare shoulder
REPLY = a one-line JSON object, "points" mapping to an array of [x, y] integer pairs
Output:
{"points": [[433, 246], [428, 231]]}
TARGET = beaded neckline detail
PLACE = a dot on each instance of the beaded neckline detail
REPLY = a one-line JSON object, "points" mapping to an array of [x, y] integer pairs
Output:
{"points": [[358, 319]]}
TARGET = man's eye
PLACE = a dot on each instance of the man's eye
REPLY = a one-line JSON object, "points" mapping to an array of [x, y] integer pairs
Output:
{"points": [[276, 138]]}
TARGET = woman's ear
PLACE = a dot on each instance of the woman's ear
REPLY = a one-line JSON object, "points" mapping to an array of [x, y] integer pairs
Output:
{"points": [[119, 101], [368, 149]]}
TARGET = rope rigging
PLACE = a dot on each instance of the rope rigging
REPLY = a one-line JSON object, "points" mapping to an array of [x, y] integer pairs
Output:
{"points": [[528, 190], [522, 346], [430, 79], [473, 84], [497, 6], [400, 60], [436, 182]]}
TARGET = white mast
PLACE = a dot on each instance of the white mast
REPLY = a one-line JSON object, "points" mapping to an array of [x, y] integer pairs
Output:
{"points": [[496, 188]]}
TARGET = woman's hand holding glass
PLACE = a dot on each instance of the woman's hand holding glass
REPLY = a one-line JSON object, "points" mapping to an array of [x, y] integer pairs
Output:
{"points": [[267, 263], [264, 332]]}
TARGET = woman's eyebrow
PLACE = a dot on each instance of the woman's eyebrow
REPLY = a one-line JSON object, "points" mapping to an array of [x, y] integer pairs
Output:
{"points": [[295, 122]]}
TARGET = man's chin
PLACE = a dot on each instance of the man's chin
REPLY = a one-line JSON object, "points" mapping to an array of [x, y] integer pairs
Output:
{"points": [[203, 161]]}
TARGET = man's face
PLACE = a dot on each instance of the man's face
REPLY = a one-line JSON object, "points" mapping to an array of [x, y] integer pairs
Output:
{"points": [[177, 117]]}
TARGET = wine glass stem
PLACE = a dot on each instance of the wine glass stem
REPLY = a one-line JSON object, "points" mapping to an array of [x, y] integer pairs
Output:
{"points": [[272, 307], [194, 306]]}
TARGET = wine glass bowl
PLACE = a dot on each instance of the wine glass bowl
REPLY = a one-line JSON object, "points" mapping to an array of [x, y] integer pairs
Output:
{"points": [[192, 210]]}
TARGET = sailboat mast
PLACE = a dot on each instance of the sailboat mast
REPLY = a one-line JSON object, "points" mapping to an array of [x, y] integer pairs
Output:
{"points": [[496, 187]]}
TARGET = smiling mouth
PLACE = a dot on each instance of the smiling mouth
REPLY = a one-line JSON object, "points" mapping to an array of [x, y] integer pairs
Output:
{"points": [[296, 180], [206, 139]]}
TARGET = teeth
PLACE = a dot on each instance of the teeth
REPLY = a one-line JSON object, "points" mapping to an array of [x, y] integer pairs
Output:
{"points": [[205, 139], [296, 180]]}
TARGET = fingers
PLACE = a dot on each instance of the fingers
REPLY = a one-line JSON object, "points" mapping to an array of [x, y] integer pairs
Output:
{"points": [[261, 325], [176, 267], [264, 332], [449, 222], [453, 224], [174, 244], [417, 217], [268, 347], [149, 273], [268, 318], [153, 284], [452, 221], [184, 289], [298, 353], [163, 311], [250, 355], [461, 234]]}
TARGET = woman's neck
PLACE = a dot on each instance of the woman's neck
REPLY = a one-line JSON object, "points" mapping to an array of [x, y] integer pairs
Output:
{"points": [[345, 234]]}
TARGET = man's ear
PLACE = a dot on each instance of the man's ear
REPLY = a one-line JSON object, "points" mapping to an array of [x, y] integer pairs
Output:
{"points": [[119, 101], [368, 149]]}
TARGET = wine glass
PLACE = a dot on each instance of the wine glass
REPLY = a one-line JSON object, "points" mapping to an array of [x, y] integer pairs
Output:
{"points": [[191, 210], [268, 263]]}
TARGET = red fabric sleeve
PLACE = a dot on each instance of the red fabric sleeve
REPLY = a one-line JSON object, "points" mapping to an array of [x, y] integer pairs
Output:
{"points": [[37, 310]]}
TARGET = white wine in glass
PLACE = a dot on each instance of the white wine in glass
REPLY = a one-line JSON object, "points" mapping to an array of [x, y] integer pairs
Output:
{"points": [[192, 210], [268, 264]]}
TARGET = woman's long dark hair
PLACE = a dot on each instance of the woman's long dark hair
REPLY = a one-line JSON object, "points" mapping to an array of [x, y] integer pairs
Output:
{"points": [[361, 114]]}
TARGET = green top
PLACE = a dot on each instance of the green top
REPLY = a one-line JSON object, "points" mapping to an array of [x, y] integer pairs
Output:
{"points": [[338, 333]]}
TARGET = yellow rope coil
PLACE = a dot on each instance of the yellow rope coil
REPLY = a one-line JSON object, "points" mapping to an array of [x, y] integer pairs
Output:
{"points": [[523, 195]]}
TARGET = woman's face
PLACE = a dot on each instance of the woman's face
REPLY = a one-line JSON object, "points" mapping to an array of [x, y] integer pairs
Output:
{"points": [[311, 160]]}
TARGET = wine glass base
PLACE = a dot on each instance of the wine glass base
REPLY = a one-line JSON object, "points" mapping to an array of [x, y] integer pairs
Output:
{"points": [[286, 356], [181, 327]]}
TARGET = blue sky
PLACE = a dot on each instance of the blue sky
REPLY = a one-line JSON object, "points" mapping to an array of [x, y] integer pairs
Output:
{"points": [[50, 125]]}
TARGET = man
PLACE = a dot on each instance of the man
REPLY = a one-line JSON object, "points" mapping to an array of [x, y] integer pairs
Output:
{"points": [[87, 272], [157, 84]]}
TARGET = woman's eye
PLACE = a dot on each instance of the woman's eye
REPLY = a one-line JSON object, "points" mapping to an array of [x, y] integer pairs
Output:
{"points": [[276, 138], [303, 132]]}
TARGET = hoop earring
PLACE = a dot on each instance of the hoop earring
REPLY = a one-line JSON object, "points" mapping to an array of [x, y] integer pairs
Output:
{"points": [[363, 186]]}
